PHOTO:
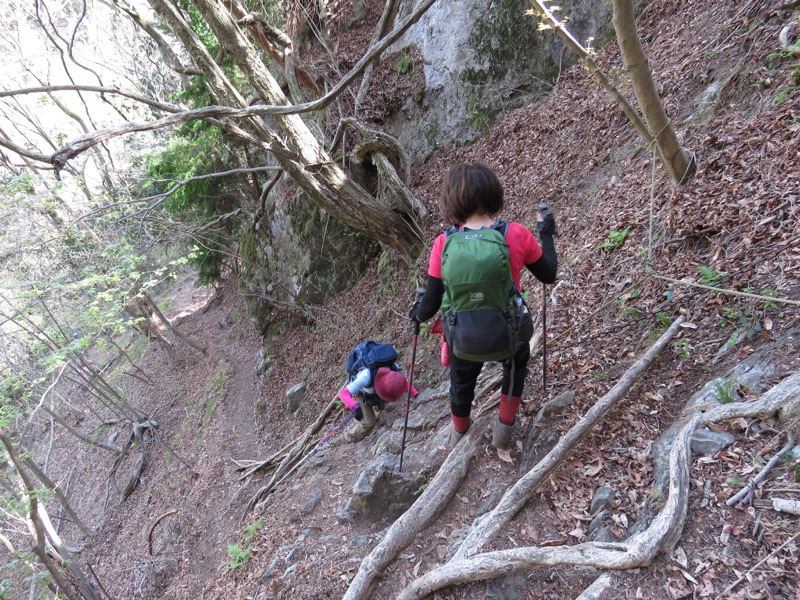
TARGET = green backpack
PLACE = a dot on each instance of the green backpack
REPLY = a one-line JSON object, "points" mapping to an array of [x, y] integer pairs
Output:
{"points": [[481, 308]]}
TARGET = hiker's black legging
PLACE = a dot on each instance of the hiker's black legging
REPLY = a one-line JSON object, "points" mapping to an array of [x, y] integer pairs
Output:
{"points": [[464, 375]]}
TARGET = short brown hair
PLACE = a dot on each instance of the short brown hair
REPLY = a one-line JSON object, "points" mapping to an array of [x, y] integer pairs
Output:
{"points": [[470, 189]]}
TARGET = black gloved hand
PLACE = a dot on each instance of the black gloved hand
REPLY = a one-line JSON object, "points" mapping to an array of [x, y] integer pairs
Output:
{"points": [[358, 413], [545, 221], [412, 315]]}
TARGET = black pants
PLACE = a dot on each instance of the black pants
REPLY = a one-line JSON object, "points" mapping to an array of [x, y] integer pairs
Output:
{"points": [[464, 374]]}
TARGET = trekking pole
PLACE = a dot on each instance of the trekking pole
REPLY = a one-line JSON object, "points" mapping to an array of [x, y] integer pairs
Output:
{"points": [[328, 436], [543, 209], [420, 292]]}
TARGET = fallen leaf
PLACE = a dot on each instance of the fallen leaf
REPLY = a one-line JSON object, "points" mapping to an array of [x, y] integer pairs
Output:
{"points": [[681, 558], [578, 533], [594, 470], [505, 455]]}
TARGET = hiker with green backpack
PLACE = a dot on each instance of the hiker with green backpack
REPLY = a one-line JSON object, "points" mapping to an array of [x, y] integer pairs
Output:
{"points": [[474, 275]]}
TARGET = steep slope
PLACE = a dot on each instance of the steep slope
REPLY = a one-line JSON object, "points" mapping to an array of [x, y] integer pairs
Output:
{"points": [[734, 227]]}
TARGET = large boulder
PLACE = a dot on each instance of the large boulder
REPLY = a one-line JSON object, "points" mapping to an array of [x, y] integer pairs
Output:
{"points": [[298, 255]]}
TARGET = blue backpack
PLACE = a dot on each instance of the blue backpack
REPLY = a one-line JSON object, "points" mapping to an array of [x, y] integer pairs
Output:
{"points": [[371, 355]]}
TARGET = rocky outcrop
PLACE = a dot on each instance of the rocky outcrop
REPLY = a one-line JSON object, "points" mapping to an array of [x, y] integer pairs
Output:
{"points": [[484, 57], [298, 255]]}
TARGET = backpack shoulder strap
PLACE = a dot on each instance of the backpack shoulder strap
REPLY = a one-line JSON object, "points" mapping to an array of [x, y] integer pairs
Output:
{"points": [[451, 230], [501, 227]]}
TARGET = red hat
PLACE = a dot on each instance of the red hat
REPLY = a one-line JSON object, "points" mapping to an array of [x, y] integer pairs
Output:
{"points": [[390, 385]]}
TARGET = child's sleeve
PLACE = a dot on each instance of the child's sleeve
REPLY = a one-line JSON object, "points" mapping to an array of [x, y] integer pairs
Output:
{"points": [[361, 381]]}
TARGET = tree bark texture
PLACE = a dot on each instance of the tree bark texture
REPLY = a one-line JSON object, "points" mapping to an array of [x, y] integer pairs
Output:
{"points": [[676, 160], [302, 157]]}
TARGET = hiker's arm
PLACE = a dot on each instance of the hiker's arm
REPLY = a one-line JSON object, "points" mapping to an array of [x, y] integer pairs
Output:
{"points": [[431, 300], [351, 389], [546, 267], [360, 382]]}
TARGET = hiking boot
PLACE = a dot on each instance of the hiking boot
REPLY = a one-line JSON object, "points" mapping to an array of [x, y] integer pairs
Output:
{"points": [[501, 433], [455, 436], [358, 432]]}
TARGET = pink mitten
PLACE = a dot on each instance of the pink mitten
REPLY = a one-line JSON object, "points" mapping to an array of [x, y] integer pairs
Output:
{"points": [[346, 397]]}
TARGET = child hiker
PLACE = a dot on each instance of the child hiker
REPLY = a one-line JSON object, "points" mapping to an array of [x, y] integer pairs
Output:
{"points": [[483, 315], [374, 378]]}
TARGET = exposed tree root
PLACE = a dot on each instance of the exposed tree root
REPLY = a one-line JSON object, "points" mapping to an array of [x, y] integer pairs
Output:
{"points": [[487, 527], [782, 400], [421, 514]]}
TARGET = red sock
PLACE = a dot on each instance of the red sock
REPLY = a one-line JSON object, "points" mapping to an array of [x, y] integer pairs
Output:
{"points": [[461, 424], [508, 409]]}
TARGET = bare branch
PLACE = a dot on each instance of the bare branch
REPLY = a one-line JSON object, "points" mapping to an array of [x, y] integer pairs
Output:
{"points": [[46, 89], [80, 145]]}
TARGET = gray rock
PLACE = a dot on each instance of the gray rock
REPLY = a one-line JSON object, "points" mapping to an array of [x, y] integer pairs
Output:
{"points": [[360, 541], [596, 523], [382, 490], [344, 514], [705, 441], [358, 14], [603, 498], [481, 57], [557, 404], [295, 396], [491, 500], [312, 501], [603, 534]]}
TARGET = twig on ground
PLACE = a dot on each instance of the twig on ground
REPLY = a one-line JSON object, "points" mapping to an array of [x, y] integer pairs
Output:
{"points": [[746, 492]]}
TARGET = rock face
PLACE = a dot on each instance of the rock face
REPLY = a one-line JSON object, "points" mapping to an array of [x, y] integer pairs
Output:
{"points": [[483, 57], [298, 255]]}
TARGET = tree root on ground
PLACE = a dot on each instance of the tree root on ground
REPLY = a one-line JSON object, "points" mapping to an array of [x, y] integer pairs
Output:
{"points": [[421, 514], [488, 526], [783, 401], [450, 476]]}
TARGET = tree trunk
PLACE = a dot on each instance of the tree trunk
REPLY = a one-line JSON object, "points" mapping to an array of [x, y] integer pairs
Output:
{"points": [[39, 535], [303, 157], [679, 163]]}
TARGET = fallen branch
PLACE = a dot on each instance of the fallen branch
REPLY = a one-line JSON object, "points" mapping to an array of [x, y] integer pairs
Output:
{"points": [[152, 528], [286, 458], [757, 565], [746, 492], [640, 549]]}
